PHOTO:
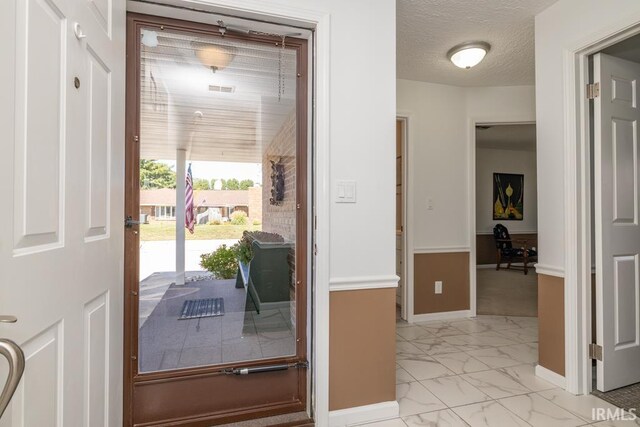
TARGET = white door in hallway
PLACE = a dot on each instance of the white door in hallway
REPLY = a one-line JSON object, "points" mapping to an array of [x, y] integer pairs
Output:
{"points": [[617, 201], [61, 186]]}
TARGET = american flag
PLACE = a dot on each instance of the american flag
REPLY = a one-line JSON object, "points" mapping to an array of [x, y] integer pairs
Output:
{"points": [[189, 217]]}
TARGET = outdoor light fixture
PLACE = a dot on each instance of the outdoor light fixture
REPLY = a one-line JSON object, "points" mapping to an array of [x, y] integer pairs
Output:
{"points": [[213, 56], [467, 55]]}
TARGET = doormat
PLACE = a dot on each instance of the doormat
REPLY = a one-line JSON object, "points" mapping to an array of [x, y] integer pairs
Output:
{"points": [[197, 308], [625, 397]]}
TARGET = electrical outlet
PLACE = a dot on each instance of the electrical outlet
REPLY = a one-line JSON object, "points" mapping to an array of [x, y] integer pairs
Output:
{"points": [[438, 287]]}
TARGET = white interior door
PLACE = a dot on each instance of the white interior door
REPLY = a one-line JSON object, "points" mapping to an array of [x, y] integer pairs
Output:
{"points": [[61, 186], [616, 118]]}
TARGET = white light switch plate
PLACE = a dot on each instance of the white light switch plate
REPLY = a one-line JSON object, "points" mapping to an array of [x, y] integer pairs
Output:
{"points": [[345, 191]]}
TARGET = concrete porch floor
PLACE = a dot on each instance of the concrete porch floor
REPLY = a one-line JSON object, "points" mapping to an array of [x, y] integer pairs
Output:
{"points": [[240, 334]]}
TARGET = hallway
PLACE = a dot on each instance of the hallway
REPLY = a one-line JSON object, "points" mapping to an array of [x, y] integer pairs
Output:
{"points": [[482, 372]]}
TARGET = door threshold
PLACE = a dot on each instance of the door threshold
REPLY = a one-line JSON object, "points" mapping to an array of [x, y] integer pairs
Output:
{"points": [[295, 419]]}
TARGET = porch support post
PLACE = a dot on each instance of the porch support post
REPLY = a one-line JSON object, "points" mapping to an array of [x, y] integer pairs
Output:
{"points": [[181, 158]]}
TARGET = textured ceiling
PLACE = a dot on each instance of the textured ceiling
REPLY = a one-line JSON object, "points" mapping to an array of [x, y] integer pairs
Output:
{"points": [[427, 29], [507, 137]]}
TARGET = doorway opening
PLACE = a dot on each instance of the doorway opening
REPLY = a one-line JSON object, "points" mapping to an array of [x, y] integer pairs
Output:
{"points": [[615, 232], [506, 219], [217, 207]]}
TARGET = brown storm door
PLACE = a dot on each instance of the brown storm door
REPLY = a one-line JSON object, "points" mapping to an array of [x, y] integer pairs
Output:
{"points": [[216, 224]]}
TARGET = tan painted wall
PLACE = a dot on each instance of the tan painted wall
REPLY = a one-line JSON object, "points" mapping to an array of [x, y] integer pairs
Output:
{"points": [[453, 270], [551, 323], [362, 342], [486, 246]]}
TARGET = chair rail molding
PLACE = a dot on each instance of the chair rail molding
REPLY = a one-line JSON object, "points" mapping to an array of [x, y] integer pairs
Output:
{"points": [[440, 249], [356, 283], [514, 232], [549, 270]]}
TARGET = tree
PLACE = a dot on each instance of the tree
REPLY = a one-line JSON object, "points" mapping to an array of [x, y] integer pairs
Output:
{"points": [[231, 184], [154, 174], [201, 184], [245, 184]]}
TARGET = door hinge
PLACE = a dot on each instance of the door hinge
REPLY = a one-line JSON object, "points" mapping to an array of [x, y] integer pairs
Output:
{"points": [[595, 352], [593, 90]]}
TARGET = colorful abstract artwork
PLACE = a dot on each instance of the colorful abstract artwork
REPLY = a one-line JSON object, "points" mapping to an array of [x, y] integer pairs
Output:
{"points": [[508, 196]]}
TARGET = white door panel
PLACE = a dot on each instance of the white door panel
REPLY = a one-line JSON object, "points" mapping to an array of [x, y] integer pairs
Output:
{"points": [[616, 117], [61, 176]]}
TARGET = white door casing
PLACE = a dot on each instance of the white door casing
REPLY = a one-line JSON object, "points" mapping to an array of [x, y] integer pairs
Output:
{"points": [[61, 183], [617, 231]]}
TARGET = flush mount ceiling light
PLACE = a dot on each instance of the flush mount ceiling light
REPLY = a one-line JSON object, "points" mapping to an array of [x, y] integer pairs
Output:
{"points": [[213, 56], [467, 55]]}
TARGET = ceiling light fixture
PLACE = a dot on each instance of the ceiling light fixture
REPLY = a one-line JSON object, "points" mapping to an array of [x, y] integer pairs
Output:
{"points": [[467, 55]]}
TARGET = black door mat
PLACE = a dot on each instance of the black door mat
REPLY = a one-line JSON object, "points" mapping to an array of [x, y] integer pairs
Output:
{"points": [[197, 308], [625, 397]]}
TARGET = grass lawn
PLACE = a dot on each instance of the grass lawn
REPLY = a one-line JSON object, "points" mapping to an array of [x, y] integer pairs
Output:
{"points": [[166, 230]]}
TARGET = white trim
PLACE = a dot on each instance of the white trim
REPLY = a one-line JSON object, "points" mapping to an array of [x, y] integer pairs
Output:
{"points": [[578, 199], [441, 249], [444, 315], [363, 282], [322, 129], [512, 232], [549, 270], [550, 376], [364, 414]]}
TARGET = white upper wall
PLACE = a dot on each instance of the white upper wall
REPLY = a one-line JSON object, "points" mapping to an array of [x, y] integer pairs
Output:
{"points": [[362, 78], [437, 158], [363, 93], [440, 133], [490, 161], [563, 26]]}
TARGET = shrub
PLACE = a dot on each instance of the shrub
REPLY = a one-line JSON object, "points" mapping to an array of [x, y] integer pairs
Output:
{"points": [[243, 250], [222, 262], [215, 222], [256, 222], [239, 218]]}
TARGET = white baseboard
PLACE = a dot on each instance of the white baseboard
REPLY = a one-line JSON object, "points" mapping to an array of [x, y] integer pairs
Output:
{"points": [[364, 414], [445, 315], [552, 377]]}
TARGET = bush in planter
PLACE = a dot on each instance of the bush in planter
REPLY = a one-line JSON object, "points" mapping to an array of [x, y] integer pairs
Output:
{"points": [[239, 218], [222, 262], [244, 254]]}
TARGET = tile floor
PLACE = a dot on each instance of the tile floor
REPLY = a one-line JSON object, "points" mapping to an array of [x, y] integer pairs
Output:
{"points": [[480, 372]]}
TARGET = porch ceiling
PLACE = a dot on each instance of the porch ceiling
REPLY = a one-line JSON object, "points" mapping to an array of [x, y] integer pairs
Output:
{"points": [[230, 114]]}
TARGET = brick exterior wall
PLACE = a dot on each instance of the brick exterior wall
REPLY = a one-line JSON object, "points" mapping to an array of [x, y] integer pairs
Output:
{"points": [[281, 218]]}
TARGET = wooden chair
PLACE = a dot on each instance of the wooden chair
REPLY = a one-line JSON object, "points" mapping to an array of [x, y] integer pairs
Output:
{"points": [[506, 252]]}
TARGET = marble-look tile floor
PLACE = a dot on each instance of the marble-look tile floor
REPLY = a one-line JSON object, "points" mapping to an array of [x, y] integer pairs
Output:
{"points": [[480, 372]]}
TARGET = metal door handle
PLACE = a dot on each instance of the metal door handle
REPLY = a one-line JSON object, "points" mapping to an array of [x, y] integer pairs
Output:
{"points": [[129, 222], [15, 356]]}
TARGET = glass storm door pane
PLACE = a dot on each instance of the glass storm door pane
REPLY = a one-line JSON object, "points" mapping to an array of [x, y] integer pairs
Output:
{"points": [[218, 170]]}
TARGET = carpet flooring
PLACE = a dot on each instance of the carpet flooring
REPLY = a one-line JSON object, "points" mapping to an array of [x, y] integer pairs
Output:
{"points": [[507, 292]]}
